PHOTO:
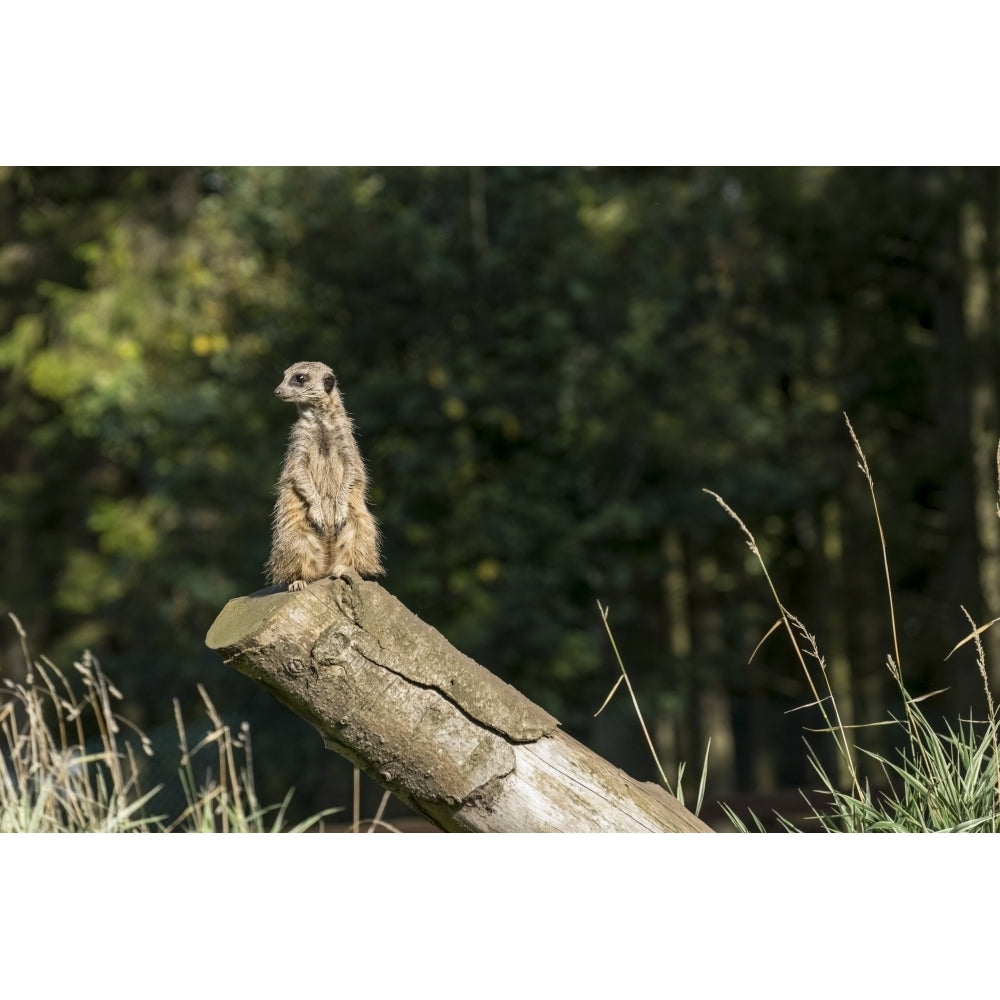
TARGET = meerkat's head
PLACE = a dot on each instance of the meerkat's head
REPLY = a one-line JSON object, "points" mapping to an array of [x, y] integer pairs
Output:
{"points": [[307, 383]]}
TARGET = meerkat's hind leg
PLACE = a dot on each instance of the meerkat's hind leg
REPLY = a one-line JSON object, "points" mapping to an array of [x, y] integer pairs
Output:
{"points": [[343, 572]]}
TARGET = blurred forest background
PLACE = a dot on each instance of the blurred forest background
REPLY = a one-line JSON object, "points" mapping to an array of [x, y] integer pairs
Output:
{"points": [[545, 367]]}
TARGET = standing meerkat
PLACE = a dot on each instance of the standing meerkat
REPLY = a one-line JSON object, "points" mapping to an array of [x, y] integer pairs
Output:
{"points": [[322, 526]]}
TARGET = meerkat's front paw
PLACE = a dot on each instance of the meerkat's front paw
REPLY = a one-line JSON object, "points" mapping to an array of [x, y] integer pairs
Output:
{"points": [[339, 518], [298, 585]]}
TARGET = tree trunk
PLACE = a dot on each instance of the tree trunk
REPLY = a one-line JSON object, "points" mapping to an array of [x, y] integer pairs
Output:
{"points": [[980, 224], [439, 731]]}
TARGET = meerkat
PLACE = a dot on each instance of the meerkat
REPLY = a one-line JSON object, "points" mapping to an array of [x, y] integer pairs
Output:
{"points": [[322, 526]]}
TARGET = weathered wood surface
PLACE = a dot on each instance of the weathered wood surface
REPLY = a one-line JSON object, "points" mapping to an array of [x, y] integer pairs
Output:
{"points": [[441, 732]]}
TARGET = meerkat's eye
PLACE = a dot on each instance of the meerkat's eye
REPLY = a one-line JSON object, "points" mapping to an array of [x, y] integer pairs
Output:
{"points": [[300, 378]]}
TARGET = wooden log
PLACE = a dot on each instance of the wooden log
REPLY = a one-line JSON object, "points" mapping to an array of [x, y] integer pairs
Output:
{"points": [[460, 746]]}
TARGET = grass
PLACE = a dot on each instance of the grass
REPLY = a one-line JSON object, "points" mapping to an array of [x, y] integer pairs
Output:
{"points": [[938, 781], [678, 791], [70, 763]]}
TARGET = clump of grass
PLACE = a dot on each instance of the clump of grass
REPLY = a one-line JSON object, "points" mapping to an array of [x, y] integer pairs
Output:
{"points": [[49, 779], [225, 801], [70, 763], [940, 781]]}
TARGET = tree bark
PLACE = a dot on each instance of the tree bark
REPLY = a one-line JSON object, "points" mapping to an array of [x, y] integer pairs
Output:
{"points": [[438, 730]]}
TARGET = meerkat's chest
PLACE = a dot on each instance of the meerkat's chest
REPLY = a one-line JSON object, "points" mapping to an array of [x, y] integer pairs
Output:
{"points": [[314, 447]]}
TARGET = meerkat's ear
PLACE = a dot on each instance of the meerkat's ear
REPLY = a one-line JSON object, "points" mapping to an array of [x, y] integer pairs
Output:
{"points": [[329, 382]]}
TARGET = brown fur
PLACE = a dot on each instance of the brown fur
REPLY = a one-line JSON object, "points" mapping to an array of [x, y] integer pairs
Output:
{"points": [[322, 526]]}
